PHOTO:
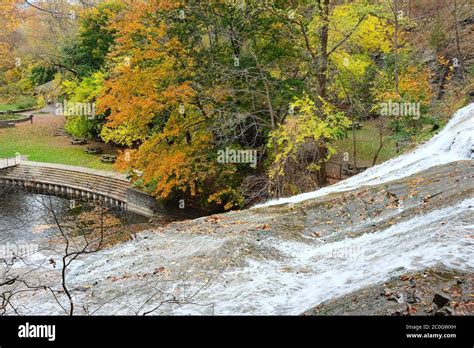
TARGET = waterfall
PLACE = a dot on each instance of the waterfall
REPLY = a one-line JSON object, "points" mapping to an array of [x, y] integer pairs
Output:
{"points": [[455, 142]]}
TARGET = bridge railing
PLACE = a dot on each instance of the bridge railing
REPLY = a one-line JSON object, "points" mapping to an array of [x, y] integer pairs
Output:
{"points": [[8, 162]]}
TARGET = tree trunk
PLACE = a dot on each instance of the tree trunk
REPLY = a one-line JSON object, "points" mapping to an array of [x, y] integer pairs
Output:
{"points": [[374, 161], [458, 46], [321, 173], [354, 145], [323, 55], [321, 75], [395, 43]]}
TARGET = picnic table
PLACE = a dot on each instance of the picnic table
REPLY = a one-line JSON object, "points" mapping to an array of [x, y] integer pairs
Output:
{"points": [[91, 150], [109, 158], [60, 132], [78, 141]]}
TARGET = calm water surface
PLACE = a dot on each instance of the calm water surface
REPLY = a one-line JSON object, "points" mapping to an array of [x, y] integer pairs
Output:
{"points": [[26, 217]]}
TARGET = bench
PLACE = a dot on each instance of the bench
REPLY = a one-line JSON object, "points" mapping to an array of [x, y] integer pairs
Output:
{"points": [[7, 125], [109, 158]]}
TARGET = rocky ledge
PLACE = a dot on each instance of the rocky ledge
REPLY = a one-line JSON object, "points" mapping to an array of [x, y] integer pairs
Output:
{"points": [[433, 291]]}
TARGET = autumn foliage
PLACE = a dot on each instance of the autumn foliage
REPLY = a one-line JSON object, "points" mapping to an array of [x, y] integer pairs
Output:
{"points": [[175, 82]]}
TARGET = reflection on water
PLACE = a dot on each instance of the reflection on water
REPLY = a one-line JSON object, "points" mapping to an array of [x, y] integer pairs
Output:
{"points": [[27, 217]]}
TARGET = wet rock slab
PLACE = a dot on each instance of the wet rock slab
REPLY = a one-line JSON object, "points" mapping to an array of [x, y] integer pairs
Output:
{"points": [[433, 291], [372, 208]]}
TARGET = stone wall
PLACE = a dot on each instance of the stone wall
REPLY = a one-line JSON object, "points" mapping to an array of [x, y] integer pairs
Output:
{"points": [[142, 203]]}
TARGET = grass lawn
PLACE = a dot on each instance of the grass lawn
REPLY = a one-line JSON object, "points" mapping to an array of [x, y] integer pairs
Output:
{"points": [[23, 102], [367, 143], [38, 142]]}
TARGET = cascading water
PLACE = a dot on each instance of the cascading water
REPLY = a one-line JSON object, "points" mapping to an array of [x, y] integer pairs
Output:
{"points": [[283, 274], [455, 142], [333, 269]]}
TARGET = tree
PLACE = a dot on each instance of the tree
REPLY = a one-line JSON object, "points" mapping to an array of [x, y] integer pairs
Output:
{"points": [[86, 92], [189, 84], [40, 74], [298, 140], [86, 52]]}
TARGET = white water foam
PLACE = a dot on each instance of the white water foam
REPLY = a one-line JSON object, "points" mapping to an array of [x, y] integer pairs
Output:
{"points": [[313, 273]]}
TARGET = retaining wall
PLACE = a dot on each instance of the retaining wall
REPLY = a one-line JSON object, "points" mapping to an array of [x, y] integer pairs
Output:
{"points": [[77, 182]]}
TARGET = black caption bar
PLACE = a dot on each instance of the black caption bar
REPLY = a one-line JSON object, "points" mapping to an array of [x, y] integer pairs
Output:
{"points": [[134, 331]]}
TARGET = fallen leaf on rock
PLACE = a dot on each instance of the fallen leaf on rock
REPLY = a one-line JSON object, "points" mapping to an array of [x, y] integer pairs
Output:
{"points": [[52, 262], [159, 270], [239, 222], [213, 219]]}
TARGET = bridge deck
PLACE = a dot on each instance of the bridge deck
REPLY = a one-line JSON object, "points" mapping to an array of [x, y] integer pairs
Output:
{"points": [[71, 181], [107, 184]]}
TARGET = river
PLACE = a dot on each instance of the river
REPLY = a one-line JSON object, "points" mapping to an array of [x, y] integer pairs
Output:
{"points": [[26, 217]]}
